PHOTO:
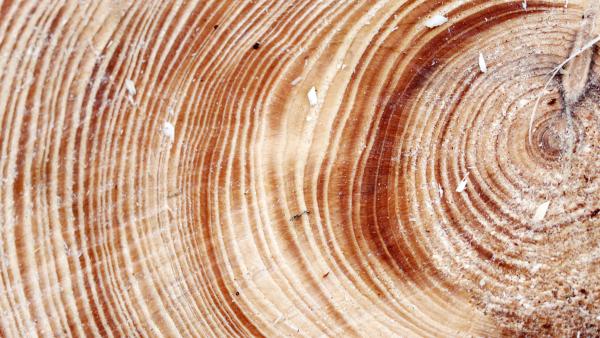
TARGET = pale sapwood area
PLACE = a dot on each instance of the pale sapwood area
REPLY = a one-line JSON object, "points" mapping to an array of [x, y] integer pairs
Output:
{"points": [[276, 168]]}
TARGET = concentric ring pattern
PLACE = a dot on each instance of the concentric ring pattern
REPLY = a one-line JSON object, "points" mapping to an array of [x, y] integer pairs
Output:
{"points": [[165, 172]]}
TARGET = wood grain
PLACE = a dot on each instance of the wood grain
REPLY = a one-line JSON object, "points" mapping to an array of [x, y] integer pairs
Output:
{"points": [[165, 170]]}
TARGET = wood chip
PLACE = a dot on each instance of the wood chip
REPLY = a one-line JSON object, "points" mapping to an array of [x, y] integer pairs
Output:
{"points": [[463, 184], [541, 211], [312, 97], [482, 65], [130, 86], [435, 21]]}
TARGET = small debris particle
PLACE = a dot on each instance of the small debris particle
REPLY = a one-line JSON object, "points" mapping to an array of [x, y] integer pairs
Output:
{"points": [[237, 293], [595, 213], [536, 268], [168, 130], [298, 215], [525, 4], [435, 21], [130, 86], [256, 45], [482, 282], [296, 81], [326, 274], [312, 96], [482, 65], [463, 184], [541, 211], [552, 102], [216, 26]]}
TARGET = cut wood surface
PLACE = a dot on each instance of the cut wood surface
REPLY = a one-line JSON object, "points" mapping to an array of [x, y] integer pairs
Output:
{"points": [[225, 168]]}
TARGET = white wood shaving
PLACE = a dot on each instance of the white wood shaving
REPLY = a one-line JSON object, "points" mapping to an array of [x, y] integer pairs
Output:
{"points": [[482, 65], [168, 130], [482, 282], [541, 211], [435, 21], [130, 86], [296, 81], [536, 268], [463, 184], [525, 4], [312, 96]]}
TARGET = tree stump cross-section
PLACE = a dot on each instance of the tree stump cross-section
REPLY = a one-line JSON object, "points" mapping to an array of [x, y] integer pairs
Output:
{"points": [[229, 168]]}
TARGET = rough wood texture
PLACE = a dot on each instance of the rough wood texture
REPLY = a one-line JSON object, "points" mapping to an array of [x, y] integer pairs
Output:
{"points": [[165, 172]]}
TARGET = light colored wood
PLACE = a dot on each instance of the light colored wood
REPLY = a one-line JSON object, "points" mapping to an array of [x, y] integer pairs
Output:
{"points": [[165, 170]]}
